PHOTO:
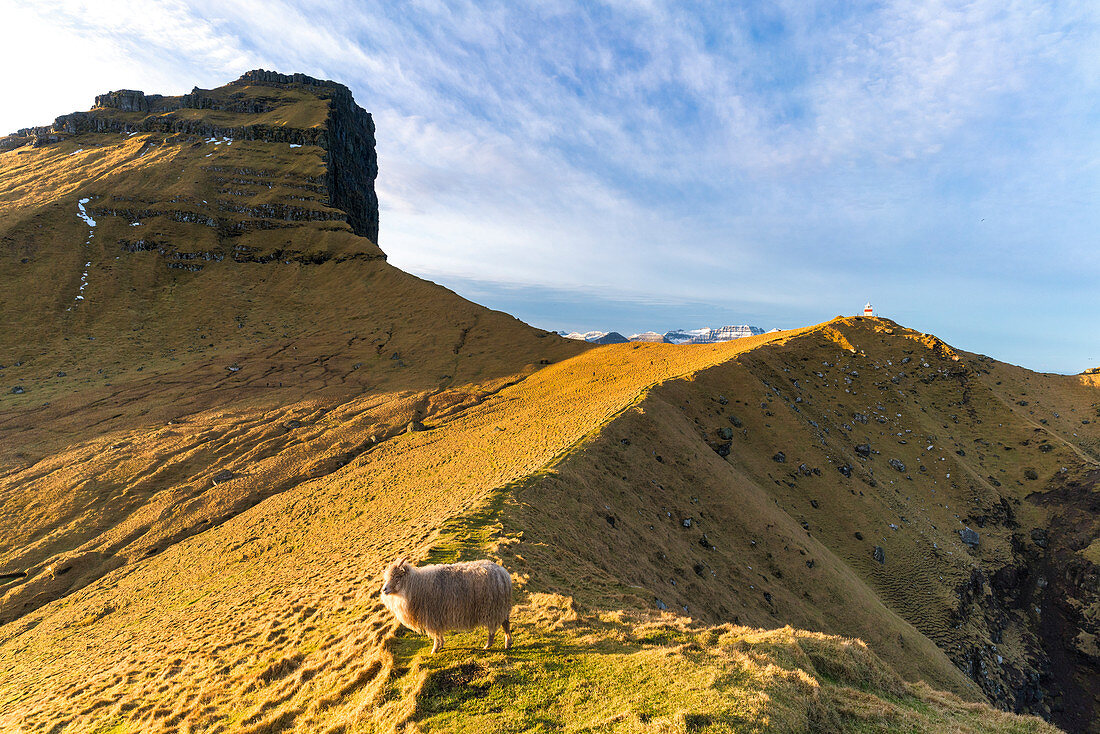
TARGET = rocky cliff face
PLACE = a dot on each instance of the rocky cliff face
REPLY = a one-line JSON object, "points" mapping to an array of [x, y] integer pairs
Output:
{"points": [[129, 100], [349, 144], [352, 164], [346, 132]]}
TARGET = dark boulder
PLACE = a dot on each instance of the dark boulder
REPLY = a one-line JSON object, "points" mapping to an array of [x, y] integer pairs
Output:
{"points": [[969, 537]]}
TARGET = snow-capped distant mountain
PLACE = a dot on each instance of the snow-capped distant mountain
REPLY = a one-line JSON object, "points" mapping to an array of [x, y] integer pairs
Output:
{"points": [[647, 336], [685, 336], [710, 336], [705, 335], [598, 337]]}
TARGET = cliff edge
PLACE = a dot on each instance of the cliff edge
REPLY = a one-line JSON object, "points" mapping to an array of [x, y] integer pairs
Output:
{"points": [[263, 106]]}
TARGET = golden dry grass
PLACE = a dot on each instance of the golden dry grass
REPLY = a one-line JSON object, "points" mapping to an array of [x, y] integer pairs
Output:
{"points": [[203, 544], [751, 508], [271, 619], [326, 539]]}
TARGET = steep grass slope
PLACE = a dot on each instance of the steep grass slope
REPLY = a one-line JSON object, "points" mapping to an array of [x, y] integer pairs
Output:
{"points": [[861, 479], [156, 267], [271, 621], [223, 413]]}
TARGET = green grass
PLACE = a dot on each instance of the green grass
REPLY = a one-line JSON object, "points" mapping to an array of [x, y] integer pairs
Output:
{"points": [[656, 677], [557, 681], [466, 537]]}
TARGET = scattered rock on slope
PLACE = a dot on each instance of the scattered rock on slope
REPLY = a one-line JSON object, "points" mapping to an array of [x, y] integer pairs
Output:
{"points": [[969, 537]]}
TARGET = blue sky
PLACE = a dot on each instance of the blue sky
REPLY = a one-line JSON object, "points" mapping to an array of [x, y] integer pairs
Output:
{"points": [[646, 165]]}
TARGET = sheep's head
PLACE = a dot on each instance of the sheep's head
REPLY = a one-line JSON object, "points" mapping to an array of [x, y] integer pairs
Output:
{"points": [[395, 575]]}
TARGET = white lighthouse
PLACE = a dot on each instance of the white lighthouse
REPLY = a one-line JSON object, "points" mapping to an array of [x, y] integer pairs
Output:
{"points": [[868, 311]]}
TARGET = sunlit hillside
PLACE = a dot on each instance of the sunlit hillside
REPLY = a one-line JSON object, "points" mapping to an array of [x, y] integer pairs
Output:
{"points": [[223, 413]]}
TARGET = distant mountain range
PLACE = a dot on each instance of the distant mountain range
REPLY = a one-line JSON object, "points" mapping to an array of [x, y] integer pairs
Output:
{"points": [[678, 336]]}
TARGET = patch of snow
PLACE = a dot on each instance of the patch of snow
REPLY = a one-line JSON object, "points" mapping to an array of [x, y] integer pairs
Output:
{"points": [[295, 145], [80, 150], [135, 224], [84, 214]]}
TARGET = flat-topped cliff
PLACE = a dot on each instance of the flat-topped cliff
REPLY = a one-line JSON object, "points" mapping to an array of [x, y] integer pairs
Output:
{"points": [[262, 106]]}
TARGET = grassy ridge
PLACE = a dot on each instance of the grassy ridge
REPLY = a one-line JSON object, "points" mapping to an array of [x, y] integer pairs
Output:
{"points": [[284, 580], [213, 455], [617, 674], [271, 620]]}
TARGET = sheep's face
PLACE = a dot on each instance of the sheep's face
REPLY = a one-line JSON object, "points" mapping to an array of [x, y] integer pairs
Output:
{"points": [[395, 575]]}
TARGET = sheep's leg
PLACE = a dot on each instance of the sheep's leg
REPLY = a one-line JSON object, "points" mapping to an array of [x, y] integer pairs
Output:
{"points": [[437, 643], [492, 634], [506, 625]]}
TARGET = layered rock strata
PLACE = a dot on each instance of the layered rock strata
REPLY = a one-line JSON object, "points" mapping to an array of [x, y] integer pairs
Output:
{"points": [[346, 134]]}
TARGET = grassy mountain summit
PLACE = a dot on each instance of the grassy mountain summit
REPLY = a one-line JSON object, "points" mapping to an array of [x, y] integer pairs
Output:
{"points": [[167, 258], [212, 454]]}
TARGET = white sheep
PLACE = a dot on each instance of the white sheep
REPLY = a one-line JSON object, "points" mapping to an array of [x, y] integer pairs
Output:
{"points": [[452, 596]]}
